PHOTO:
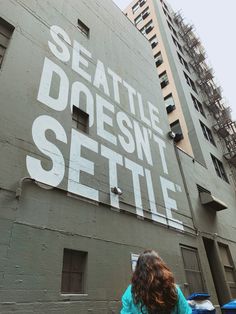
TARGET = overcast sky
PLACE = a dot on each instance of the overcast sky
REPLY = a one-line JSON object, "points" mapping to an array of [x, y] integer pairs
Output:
{"points": [[215, 24]]}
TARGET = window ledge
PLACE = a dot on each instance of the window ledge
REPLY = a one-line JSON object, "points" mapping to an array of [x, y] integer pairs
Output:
{"points": [[72, 296]]}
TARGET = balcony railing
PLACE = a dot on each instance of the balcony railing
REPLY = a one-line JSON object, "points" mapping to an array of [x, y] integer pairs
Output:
{"points": [[178, 19], [231, 146]]}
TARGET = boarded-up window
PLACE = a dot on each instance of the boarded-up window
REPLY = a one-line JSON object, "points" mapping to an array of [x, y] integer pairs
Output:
{"points": [[227, 262], [6, 31], [192, 269], [73, 272]]}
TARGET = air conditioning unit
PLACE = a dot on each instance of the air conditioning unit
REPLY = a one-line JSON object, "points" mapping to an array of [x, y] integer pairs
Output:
{"points": [[171, 135], [170, 108], [178, 137], [154, 44], [149, 29]]}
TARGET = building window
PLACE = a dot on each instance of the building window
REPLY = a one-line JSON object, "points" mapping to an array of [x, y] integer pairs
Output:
{"points": [[219, 168], [176, 129], [6, 31], [190, 82], [137, 5], [153, 41], [166, 7], [141, 16], [192, 269], [145, 13], [183, 62], [80, 119], [158, 59], [170, 19], [164, 11], [169, 103], [177, 44], [198, 106], [73, 272], [138, 19], [229, 269], [83, 28], [163, 79], [207, 133], [147, 28], [172, 29]]}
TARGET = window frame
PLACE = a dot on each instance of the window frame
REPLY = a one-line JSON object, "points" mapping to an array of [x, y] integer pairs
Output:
{"points": [[164, 80], [69, 273], [83, 28], [198, 106], [219, 168], [190, 82], [77, 117], [6, 33], [207, 133]]}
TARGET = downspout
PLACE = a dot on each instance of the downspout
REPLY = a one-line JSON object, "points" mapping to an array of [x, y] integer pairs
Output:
{"points": [[186, 189]]}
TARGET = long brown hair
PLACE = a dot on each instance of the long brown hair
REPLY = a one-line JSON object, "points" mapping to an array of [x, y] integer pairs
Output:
{"points": [[153, 284]]}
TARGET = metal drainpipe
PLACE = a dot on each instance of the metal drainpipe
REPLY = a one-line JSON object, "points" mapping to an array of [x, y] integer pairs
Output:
{"points": [[20, 184], [186, 189]]}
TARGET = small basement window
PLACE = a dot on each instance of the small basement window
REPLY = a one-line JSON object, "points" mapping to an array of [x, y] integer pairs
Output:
{"points": [[73, 272], [83, 28], [80, 119]]}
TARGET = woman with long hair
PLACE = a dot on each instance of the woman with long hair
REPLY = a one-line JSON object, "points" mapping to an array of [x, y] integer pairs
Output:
{"points": [[152, 289]]}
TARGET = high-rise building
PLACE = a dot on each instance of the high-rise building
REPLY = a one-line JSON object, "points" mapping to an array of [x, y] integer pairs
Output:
{"points": [[203, 132]]}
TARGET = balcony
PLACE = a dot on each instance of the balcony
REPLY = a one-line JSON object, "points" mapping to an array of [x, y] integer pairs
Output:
{"points": [[231, 156], [185, 29], [191, 43], [178, 19], [225, 116], [222, 130], [215, 94], [212, 106], [206, 75]]}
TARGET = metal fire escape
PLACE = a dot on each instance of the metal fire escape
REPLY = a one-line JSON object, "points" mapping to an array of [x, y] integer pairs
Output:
{"points": [[224, 126]]}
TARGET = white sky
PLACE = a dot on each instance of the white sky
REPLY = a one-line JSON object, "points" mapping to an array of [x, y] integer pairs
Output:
{"points": [[215, 24]]}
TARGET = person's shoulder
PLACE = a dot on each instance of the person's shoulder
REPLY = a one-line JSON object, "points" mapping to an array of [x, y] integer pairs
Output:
{"points": [[128, 291], [179, 291]]}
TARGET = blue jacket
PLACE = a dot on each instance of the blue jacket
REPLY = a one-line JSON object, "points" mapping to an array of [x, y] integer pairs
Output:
{"points": [[128, 306]]}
